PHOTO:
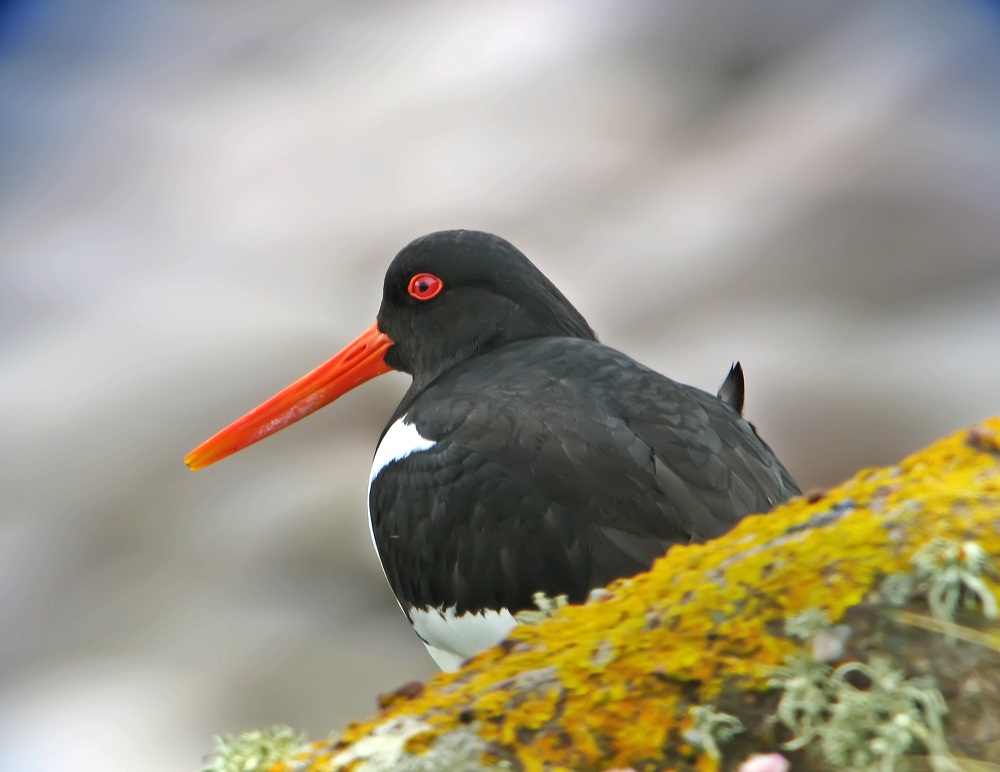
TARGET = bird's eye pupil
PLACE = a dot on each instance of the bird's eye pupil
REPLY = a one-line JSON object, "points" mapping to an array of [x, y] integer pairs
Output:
{"points": [[425, 286]]}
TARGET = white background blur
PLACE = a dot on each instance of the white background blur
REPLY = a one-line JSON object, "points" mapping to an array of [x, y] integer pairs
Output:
{"points": [[198, 201]]}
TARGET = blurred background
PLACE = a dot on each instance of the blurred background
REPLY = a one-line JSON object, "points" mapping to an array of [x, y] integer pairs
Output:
{"points": [[198, 202]]}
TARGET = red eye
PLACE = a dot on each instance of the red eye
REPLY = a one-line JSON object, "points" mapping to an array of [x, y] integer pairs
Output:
{"points": [[424, 286]]}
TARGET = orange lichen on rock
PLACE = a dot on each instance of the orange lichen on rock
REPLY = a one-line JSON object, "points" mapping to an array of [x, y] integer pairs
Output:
{"points": [[613, 683]]}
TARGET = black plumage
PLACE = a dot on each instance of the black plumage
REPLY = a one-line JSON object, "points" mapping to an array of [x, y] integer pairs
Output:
{"points": [[733, 389], [560, 463]]}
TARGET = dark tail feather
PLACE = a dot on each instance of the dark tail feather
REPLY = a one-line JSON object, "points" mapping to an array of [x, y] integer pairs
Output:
{"points": [[733, 391]]}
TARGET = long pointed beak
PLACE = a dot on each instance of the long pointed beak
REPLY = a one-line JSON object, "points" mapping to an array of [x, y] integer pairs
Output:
{"points": [[362, 360]]}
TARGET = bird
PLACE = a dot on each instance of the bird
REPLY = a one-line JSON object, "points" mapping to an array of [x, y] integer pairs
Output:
{"points": [[525, 457]]}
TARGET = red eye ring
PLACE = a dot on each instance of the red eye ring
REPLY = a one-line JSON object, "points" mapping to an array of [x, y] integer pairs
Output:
{"points": [[424, 286]]}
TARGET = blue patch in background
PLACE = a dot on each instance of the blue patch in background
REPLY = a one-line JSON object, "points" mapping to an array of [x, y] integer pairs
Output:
{"points": [[17, 19]]}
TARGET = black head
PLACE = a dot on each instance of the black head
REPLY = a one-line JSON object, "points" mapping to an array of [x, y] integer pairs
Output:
{"points": [[453, 294]]}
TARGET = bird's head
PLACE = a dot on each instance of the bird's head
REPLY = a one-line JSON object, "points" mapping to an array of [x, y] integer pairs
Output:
{"points": [[447, 296], [453, 294]]}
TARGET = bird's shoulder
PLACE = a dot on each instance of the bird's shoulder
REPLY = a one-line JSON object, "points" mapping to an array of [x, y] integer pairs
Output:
{"points": [[560, 387]]}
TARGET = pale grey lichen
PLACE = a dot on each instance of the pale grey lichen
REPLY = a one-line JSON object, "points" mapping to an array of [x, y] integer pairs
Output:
{"points": [[603, 655], [812, 626], [897, 588], [598, 594], [803, 625], [256, 750], [952, 571], [387, 749], [545, 607], [712, 728], [805, 699], [863, 727]]}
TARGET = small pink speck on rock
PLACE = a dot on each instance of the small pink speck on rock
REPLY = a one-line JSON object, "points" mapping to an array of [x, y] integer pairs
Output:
{"points": [[768, 762]]}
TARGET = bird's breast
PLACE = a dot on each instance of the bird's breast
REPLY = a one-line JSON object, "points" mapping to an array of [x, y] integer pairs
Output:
{"points": [[450, 637]]}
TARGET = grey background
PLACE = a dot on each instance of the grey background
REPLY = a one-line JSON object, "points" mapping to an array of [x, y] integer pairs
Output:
{"points": [[198, 201]]}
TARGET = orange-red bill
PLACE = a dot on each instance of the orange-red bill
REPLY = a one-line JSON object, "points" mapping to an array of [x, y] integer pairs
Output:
{"points": [[360, 361]]}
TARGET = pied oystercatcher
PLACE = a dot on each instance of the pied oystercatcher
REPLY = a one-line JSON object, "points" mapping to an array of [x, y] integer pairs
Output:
{"points": [[525, 457]]}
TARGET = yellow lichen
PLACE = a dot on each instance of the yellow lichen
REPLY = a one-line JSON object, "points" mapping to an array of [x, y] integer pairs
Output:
{"points": [[419, 743], [612, 683]]}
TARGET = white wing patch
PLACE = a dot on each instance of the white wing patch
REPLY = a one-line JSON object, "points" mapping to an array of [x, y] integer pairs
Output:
{"points": [[452, 638], [401, 440]]}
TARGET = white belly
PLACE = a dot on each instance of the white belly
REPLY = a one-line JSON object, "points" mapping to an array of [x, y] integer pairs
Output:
{"points": [[451, 638]]}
